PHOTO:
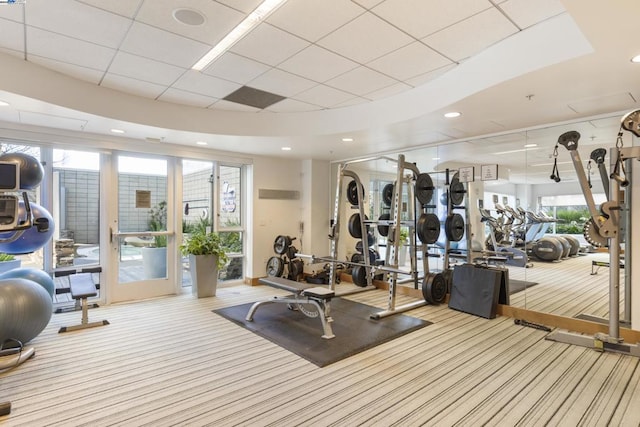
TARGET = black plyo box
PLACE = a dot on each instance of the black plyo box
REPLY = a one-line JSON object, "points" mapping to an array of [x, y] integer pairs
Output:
{"points": [[477, 289]]}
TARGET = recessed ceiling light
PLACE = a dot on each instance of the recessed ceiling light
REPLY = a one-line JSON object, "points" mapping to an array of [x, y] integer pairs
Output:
{"points": [[636, 59], [347, 139], [452, 114], [117, 131], [286, 148], [4, 104], [530, 145], [201, 143]]}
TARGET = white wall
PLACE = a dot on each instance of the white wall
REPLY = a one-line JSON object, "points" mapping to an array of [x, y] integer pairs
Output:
{"points": [[316, 207]]}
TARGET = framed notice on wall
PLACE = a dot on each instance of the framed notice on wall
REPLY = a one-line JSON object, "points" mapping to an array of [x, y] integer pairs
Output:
{"points": [[466, 174], [489, 172], [143, 199]]}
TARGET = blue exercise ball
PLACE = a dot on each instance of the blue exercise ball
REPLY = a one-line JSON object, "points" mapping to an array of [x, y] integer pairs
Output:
{"points": [[31, 239], [31, 170], [25, 309], [33, 274]]}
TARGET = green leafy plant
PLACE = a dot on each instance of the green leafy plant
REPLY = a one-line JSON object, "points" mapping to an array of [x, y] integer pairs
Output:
{"points": [[199, 242], [6, 257], [404, 235], [158, 222]]}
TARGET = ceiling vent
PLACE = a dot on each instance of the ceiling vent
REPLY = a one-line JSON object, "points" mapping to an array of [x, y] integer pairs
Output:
{"points": [[253, 97]]}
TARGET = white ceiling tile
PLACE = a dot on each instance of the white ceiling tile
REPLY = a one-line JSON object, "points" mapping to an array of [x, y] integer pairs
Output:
{"points": [[269, 45], [11, 34], [387, 91], [361, 81], [317, 64], [13, 12], [368, 4], [50, 120], [136, 67], [219, 19], [615, 102], [178, 96], [281, 83], [77, 20], [236, 68], [487, 28], [365, 38], [431, 75], [163, 46], [409, 61], [65, 49], [246, 6], [234, 106], [353, 101], [291, 106], [193, 81], [126, 8], [323, 96], [313, 19], [526, 13], [423, 17], [75, 71], [132, 86]]}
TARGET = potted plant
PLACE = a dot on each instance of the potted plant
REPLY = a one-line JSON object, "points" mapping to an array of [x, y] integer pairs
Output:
{"points": [[8, 262], [154, 256], [206, 255]]}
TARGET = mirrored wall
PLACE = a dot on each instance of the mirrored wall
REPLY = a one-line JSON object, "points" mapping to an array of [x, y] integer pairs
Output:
{"points": [[514, 211]]}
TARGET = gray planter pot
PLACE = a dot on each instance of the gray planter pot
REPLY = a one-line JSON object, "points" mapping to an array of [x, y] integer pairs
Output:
{"points": [[204, 275], [154, 263]]}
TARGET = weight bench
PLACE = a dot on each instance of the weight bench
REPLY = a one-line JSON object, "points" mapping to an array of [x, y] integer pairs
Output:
{"points": [[82, 287], [303, 293]]}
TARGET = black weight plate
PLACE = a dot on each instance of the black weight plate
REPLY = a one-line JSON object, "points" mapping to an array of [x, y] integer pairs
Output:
{"points": [[281, 244], [424, 188], [359, 276], [275, 266], [454, 227], [354, 226], [371, 239], [296, 268], [291, 252], [456, 190], [352, 192], [357, 258], [384, 229], [434, 288], [428, 228], [387, 194]]}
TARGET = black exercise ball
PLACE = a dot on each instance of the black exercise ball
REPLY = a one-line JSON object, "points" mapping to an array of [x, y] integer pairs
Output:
{"points": [[31, 171]]}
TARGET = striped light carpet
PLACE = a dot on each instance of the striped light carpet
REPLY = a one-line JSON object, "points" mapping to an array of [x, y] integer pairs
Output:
{"points": [[171, 361]]}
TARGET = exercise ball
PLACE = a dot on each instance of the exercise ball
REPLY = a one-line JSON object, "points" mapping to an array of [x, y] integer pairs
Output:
{"points": [[25, 309], [31, 239], [31, 170], [33, 274]]}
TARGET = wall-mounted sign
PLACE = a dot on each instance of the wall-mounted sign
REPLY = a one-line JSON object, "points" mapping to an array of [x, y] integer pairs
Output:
{"points": [[143, 199], [489, 172], [228, 198], [466, 174]]}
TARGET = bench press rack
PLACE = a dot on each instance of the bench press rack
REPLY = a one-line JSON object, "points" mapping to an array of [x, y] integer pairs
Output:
{"points": [[303, 294]]}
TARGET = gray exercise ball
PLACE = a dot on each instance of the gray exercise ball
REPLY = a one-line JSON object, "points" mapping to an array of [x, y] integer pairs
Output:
{"points": [[25, 309]]}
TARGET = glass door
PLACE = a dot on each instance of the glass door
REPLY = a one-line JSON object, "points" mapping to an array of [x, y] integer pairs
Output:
{"points": [[142, 235]]}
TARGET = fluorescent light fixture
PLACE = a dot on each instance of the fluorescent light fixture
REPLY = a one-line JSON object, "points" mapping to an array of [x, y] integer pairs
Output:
{"points": [[636, 59], [117, 131], [452, 114], [530, 145], [4, 104], [516, 151], [286, 148], [347, 139], [249, 23], [435, 158], [201, 143], [534, 165]]}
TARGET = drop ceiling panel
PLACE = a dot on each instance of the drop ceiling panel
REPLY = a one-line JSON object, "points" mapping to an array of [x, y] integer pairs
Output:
{"points": [[385, 92], [75, 71], [616, 102], [526, 13], [365, 38], [234, 106], [132, 86], [163, 46], [126, 8], [281, 83], [245, 6], [423, 17], [368, 4], [193, 81], [323, 96], [236, 68], [312, 19], [431, 75], [269, 45], [65, 49], [178, 96], [219, 19], [488, 27], [317, 64], [145, 69], [409, 61], [361, 81], [12, 12], [12, 34], [77, 20]]}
